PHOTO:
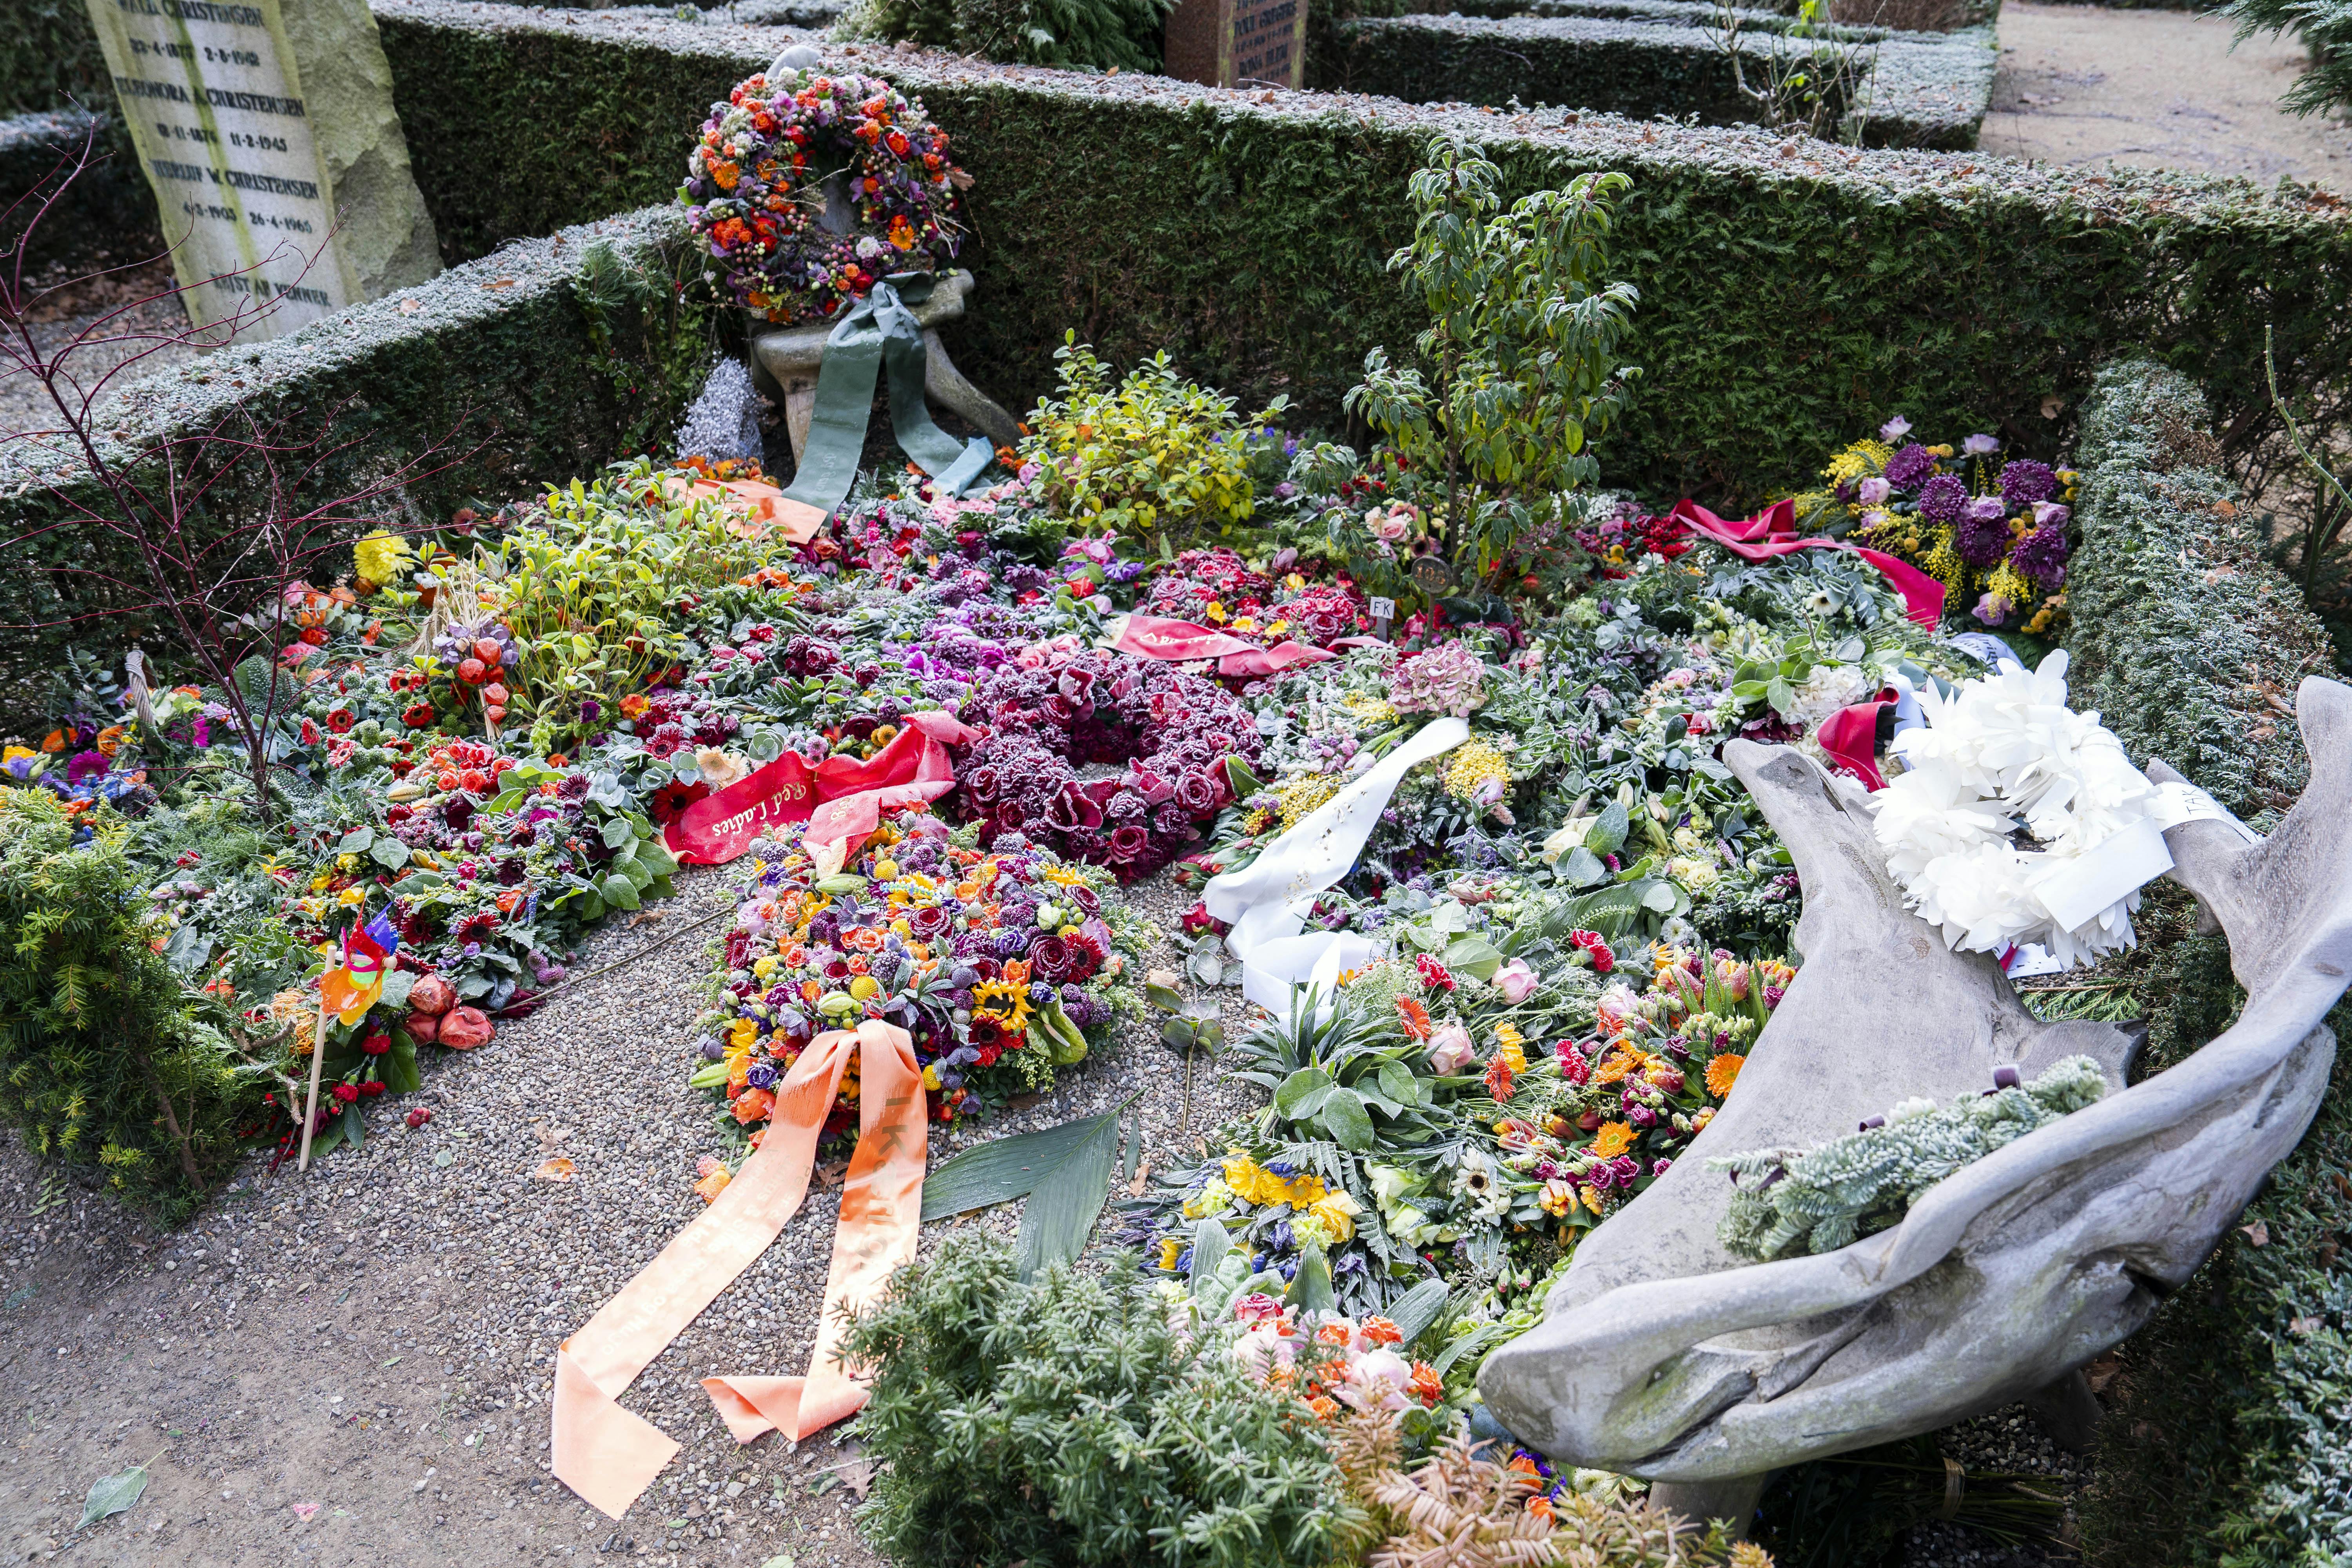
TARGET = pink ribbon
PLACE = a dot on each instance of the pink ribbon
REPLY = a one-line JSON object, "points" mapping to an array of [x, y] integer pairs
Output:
{"points": [[1773, 532], [1182, 642]]}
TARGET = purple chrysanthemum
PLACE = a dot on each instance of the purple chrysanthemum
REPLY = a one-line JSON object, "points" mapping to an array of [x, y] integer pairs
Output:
{"points": [[2042, 555], [2025, 482], [86, 765], [1981, 535], [1943, 499], [1909, 466]]}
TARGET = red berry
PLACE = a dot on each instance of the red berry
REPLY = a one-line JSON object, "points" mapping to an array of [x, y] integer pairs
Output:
{"points": [[419, 1116]]}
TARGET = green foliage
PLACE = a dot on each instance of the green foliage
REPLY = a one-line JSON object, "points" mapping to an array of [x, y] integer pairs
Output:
{"points": [[651, 335], [1083, 34], [2324, 27], [1787, 1202], [106, 1064], [1152, 456], [1062, 1422], [49, 56], [2182, 637], [1521, 347]]}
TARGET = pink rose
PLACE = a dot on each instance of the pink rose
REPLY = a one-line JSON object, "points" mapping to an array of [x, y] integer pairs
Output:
{"points": [[1515, 981], [1450, 1050]]}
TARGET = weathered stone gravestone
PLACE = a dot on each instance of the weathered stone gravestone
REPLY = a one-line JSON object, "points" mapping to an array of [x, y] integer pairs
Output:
{"points": [[1664, 1356], [1238, 43], [261, 123]]}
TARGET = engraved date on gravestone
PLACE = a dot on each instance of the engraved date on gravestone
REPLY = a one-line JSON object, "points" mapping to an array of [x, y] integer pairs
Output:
{"points": [[1265, 43], [214, 103]]}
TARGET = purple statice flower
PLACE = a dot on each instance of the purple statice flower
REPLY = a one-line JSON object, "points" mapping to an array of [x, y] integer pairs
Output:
{"points": [[2041, 555], [1909, 467], [1980, 446], [1981, 536], [1943, 499], [2024, 481]]}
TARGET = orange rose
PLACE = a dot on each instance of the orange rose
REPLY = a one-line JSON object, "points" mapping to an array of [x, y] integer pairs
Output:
{"points": [[753, 1105]]}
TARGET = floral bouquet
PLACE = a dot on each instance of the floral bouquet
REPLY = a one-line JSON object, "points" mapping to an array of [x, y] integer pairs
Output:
{"points": [[756, 192], [998, 964]]}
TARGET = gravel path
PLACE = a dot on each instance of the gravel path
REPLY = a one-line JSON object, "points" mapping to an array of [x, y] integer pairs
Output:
{"points": [[376, 1339]]}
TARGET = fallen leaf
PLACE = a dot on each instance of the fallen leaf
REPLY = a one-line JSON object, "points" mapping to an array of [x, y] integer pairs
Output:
{"points": [[410, 307], [2258, 1233], [559, 1169], [2303, 1327], [111, 1495], [501, 283], [2051, 405], [830, 1174], [2101, 1372], [858, 1475], [304, 1512], [1142, 1175]]}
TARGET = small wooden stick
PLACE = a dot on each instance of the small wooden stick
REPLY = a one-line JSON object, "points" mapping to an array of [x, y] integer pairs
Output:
{"points": [[317, 1060]]}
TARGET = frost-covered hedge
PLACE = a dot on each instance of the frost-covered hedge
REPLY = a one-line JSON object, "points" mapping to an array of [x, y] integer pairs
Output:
{"points": [[1647, 58], [2229, 1437]]}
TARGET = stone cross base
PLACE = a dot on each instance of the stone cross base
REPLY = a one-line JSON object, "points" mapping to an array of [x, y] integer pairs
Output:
{"points": [[791, 357]]}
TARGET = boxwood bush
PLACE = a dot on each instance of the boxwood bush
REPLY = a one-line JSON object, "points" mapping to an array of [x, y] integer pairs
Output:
{"points": [[2229, 1439]]}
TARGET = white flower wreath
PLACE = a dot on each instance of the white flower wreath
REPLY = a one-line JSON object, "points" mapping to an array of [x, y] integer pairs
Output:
{"points": [[2016, 821]]}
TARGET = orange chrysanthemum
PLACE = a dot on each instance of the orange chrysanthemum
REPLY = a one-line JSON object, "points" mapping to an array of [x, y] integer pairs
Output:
{"points": [[1723, 1071], [1613, 1139], [1416, 1018]]}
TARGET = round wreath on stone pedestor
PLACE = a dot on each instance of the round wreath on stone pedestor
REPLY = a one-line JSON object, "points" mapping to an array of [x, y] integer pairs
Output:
{"points": [[756, 185]]}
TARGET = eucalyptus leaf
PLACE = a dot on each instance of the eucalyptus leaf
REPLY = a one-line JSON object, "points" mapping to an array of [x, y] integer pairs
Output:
{"points": [[1582, 867], [1659, 896], [618, 834], [356, 841], [389, 853], [1607, 833], [1780, 697], [111, 1495]]}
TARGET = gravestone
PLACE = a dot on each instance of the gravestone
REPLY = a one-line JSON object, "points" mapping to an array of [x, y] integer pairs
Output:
{"points": [[1238, 43], [260, 123]]}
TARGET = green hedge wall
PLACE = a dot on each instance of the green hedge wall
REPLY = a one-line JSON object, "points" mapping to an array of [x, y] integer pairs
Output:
{"points": [[492, 363], [1928, 89], [49, 56], [108, 214], [2229, 1439], [1790, 299]]}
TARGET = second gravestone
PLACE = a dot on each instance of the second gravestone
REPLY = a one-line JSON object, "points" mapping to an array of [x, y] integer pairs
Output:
{"points": [[268, 131], [1238, 43]]}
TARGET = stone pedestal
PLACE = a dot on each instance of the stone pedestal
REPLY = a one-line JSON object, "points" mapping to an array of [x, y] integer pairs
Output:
{"points": [[1238, 43], [789, 358], [268, 131]]}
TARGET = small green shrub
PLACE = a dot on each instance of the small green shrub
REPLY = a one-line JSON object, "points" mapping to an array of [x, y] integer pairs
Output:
{"points": [[1061, 1422], [1154, 453], [2325, 28], [105, 1062]]}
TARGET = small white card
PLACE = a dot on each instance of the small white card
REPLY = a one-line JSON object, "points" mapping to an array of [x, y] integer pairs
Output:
{"points": [[1384, 609]]}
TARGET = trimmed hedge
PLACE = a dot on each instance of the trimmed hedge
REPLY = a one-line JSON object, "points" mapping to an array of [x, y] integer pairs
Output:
{"points": [[494, 361], [1646, 57], [1790, 299], [2229, 1439], [49, 57], [108, 214]]}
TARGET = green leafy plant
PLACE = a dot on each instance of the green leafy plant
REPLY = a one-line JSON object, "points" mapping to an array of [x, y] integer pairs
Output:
{"points": [[1064, 1173], [652, 338], [1151, 455], [1803, 77], [106, 1061], [1063, 1421], [2324, 28], [1100, 34], [1520, 354]]}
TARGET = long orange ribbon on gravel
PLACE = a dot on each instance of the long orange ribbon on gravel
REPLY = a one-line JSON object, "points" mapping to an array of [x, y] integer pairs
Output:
{"points": [[610, 1457]]}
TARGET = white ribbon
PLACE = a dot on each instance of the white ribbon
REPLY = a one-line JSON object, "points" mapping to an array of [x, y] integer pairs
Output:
{"points": [[1267, 902]]}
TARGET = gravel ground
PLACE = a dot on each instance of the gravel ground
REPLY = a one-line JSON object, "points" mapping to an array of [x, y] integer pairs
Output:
{"points": [[154, 328], [376, 1338], [355, 1366]]}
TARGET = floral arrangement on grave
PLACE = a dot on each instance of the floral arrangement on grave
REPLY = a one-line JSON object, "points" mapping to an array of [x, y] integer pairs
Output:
{"points": [[1992, 530], [999, 965], [761, 180]]}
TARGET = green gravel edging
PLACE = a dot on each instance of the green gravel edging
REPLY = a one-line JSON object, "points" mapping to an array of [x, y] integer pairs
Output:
{"points": [[1928, 89], [2228, 1440]]}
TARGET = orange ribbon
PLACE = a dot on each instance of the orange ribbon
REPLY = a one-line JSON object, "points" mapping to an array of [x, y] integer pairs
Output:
{"points": [[610, 1457]]}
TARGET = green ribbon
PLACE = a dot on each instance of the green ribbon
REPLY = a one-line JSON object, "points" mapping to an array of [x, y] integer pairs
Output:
{"points": [[878, 332]]}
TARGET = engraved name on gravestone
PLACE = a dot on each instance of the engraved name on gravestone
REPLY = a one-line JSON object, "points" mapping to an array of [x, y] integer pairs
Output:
{"points": [[259, 124], [1238, 43]]}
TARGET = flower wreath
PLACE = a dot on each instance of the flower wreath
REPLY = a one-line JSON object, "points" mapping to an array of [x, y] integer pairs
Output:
{"points": [[2017, 821], [755, 192]]}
